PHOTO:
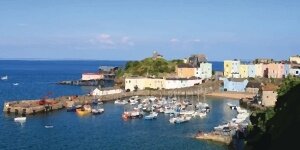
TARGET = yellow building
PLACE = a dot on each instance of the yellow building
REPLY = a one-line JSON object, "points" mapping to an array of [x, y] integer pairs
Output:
{"points": [[295, 59], [244, 71], [231, 68], [154, 83], [185, 71], [141, 83]]}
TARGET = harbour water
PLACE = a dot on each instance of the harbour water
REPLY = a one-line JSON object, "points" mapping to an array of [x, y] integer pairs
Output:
{"points": [[106, 131]]}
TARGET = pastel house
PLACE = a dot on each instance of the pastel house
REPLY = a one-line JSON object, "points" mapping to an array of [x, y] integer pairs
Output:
{"points": [[259, 72], [174, 83], [204, 71], [269, 95], [232, 68], [185, 71], [243, 71], [295, 71], [105, 91], [235, 84], [295, 59], [251, 70], [275, 70], [91, 76]]}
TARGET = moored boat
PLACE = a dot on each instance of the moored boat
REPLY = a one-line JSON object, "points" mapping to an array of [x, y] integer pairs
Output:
{"points": [[20, 119], [4, 77], [152, 115]]}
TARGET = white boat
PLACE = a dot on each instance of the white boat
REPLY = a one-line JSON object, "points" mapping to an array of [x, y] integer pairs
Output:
{"points": [[15, 83], [20, 119], [152, 115], [232, 106], [180, 119], [97, 111], [4, 77], [48, 126]]}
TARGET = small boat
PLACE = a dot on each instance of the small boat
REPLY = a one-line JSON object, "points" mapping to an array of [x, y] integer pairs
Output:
{"points": [[97, 111], [20, 119], [85, 110], [82, 112], [48, 126], [180, 119], [152, 115], [4, 77], [15, 84], [231, 106]]}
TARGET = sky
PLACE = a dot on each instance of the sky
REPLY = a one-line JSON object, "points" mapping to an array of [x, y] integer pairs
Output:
{"points": [[133, 29]]}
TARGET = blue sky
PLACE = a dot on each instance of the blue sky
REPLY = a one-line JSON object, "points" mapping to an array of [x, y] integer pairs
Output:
{"points": [[132, 29]]}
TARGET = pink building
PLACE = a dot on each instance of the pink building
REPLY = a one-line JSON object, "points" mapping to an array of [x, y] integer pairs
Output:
{"points": [[91, 76], [275, 70]]}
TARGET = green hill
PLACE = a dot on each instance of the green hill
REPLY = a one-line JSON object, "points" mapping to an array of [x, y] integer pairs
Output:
{"points": [[149, 66], [278, 128]]}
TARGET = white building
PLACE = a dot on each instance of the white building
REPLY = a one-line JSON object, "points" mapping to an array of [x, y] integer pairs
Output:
{"points": [[295, 71], [204, 71], [174, 83], [107, 91], [132, 82], [91, 76], [141, 83]]}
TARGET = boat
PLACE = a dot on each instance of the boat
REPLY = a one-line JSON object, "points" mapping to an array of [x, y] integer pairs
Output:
{"points": [[152, 115], [180, 119], [82, 112], [49, 126], [20, 119], [231, 106], [85, 110], [15, 84], [4, 77], [97, 111]]}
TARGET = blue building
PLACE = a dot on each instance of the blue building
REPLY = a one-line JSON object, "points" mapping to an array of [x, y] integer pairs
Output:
{"points": [[251, 70], [235, 84], [286, 70]]}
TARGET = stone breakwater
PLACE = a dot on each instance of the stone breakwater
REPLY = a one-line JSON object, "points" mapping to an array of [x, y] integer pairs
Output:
{"points": [[27, 107]]}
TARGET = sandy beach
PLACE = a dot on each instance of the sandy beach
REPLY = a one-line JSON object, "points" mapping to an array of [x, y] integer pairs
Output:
{"points": [[233, 95]]}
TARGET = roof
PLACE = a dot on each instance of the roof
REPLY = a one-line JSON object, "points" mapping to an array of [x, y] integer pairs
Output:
{"points": [[270, 87], [91, 73], [253, 85], [184, 66], [192, 78]]}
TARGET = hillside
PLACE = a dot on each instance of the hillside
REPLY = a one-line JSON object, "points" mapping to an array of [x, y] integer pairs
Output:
{"points": [[150, 67], [278, 128]]}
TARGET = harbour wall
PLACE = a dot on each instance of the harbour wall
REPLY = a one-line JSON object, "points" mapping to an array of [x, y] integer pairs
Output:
{"points": [[27, 107]]}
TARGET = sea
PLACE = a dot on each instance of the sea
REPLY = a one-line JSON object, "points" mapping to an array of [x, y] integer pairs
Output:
{"points": [[108, 131]]}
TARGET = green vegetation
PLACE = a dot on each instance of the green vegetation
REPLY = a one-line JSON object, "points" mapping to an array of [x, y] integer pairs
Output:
{"points": [[149, 66], [276, 128]]}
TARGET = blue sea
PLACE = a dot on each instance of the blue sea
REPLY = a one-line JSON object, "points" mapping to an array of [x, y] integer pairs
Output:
{"points": [[37, 79]]}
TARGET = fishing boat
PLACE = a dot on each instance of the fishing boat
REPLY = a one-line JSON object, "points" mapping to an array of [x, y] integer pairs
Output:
{"points": [[20, 119], [85, 110], [4, 77], [152, 115]]}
